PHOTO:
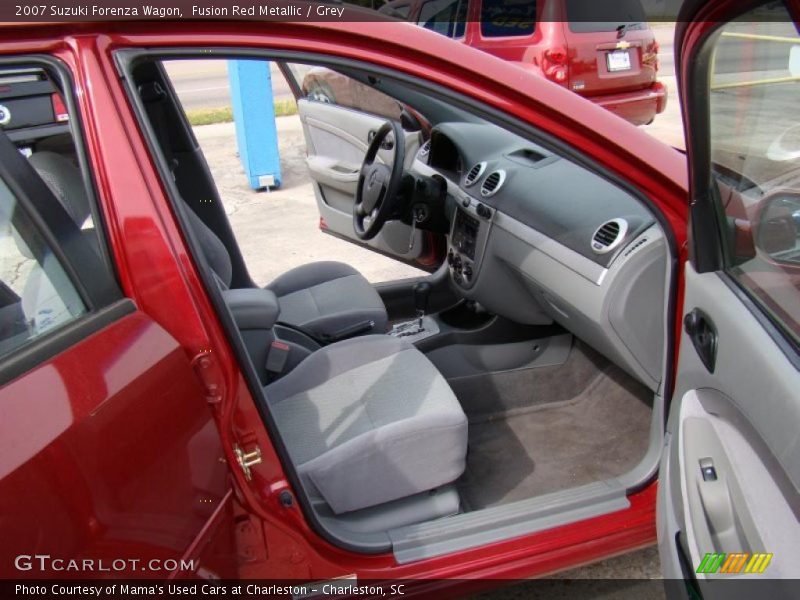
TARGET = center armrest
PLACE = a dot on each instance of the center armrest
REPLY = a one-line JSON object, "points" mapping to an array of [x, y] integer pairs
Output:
{"points": [[252, 308]]}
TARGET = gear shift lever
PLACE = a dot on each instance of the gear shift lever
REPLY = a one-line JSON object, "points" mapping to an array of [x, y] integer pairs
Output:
{"points": [[422, 292]]}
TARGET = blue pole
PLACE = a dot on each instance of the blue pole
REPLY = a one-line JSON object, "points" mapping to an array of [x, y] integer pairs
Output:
{"points": [[254, 117]]}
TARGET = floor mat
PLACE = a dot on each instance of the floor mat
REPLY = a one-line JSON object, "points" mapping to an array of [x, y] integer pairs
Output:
{"points": [[523, 452]]}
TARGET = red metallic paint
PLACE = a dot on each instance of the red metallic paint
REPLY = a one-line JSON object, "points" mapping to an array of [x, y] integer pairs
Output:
{"points": [[156, 270], [110, 453]]}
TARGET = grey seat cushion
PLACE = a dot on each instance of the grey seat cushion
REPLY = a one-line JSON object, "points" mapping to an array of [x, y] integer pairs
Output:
{"points": [[328, 297], [369, 420]]}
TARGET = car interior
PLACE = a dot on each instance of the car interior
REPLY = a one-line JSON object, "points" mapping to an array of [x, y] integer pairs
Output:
{"points": [[515, 388]]}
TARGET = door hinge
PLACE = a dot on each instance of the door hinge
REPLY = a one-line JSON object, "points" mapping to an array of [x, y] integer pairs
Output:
{"points": [[247, 459], [206, 367]]}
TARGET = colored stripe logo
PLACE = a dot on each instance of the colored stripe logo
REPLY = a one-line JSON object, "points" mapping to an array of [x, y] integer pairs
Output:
{"points": [[736, 562]]}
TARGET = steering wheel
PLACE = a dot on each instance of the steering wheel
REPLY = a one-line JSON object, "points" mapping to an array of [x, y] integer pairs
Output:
{"points": [[378, 184]]}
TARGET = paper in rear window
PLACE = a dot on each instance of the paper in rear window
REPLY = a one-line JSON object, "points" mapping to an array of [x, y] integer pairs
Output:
{"points": [[505, 18], [587, 16]]}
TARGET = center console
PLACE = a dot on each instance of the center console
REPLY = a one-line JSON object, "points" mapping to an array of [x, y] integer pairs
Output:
{"points": [[468, 240]]}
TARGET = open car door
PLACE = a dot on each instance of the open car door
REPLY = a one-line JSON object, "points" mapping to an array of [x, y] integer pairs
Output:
{"points": [[340, 116], [728, 501]]}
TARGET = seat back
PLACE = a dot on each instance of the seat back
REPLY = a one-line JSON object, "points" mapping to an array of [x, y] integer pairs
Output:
{"points": [[213, 249]]}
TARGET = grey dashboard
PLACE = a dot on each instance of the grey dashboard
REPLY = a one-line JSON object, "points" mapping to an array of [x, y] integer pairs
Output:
{"points": [[539, 239], [558, 198]]}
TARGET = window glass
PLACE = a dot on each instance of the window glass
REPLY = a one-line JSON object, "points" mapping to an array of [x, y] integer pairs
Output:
{"points": [[755, 150], [447, 17], [502, 18], [582, 16], [326, 85], [396, 10], [36, 295]]}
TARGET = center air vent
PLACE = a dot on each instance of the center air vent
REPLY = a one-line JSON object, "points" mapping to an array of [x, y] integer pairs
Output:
{"points": [[609, 235], [425, 149], [492, 184], [474, 174]]}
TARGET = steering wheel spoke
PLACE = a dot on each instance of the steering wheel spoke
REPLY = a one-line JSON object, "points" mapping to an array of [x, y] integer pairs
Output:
{"points": [[378, 183]]}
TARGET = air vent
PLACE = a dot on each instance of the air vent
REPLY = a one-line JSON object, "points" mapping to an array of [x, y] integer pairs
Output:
{"points": [[492, 184], [609, 235], [425, 149], [474, 174]]}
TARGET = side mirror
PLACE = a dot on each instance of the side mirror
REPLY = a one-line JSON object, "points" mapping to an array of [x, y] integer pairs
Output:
{"points": [[778, 228]]}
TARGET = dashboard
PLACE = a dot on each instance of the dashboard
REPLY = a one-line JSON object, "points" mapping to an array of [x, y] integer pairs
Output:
{"points": [[537, 238]]}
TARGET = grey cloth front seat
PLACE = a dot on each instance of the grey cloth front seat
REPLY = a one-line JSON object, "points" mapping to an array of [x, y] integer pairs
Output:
{"points": [[323, 298], [369, 420]]}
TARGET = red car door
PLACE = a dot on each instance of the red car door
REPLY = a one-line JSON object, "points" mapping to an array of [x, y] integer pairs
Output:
{"points": [[110, 460], [729, 483]]}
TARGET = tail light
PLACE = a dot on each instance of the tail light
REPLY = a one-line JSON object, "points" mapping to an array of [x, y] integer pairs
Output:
{"points": [[650, 57], [59, 109], [555, 64]]}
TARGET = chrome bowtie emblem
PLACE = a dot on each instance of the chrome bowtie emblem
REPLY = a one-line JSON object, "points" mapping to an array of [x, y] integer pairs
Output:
{"points": [[373, 178]]}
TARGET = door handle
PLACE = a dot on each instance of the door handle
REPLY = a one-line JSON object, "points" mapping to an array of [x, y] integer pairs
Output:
{"points": [[700, 329]]}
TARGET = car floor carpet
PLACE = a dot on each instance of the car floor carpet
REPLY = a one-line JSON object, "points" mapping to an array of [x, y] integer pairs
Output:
{"points": [[525, 451]]}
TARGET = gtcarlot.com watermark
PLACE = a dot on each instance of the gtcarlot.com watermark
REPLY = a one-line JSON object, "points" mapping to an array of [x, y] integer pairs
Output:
{"points": [[47, 563]]}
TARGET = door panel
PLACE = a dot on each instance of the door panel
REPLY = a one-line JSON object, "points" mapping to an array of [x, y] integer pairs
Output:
{"points": [[108, 449], [337, 140], [110, 452], [729, 493], [742, 419]]}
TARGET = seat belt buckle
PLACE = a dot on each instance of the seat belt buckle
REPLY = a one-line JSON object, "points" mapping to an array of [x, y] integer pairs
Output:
{"points": [[276, 357]]}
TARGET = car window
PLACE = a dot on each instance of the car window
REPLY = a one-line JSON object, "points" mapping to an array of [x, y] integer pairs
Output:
{"points": [[321, 84], [448, 17], [582, 17], [34, 115], [398, 10], [504, 18], [755, 150], [36, 295], [44, 258]]}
